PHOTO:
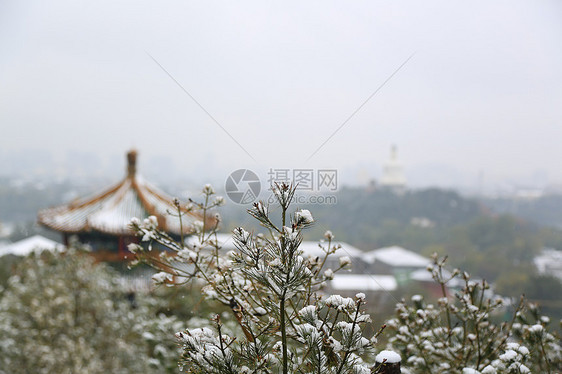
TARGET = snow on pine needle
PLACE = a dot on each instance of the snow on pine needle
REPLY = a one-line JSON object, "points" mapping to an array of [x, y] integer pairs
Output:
{"points": [[279, 319], [460, 332]]}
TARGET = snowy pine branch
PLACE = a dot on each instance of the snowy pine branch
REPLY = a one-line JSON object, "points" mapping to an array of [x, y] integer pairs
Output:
{"points": [[284, 322]]}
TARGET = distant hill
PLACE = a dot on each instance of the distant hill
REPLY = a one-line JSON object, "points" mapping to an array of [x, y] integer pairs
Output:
{"points": [[365, 217], [443, 207], [20, 201], [545, 211]]}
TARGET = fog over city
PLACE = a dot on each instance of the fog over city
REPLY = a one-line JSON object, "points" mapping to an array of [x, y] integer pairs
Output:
{"points": [[469, 92]]}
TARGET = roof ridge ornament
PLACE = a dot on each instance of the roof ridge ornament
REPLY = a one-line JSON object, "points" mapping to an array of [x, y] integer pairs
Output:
{"points": [[131, 163]]}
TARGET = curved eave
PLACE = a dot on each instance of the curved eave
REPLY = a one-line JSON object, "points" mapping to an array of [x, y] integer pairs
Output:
{"points": [[158, 203], [64, 230], [111, 211]]}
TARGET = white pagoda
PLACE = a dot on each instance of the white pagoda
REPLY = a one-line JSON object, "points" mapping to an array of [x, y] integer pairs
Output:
{"points": [[393, 173]]}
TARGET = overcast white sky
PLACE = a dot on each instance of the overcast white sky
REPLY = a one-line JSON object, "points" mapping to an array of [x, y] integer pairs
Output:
{"points": [[482, 94]]}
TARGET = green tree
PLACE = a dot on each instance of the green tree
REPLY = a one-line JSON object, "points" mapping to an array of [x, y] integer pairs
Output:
{"points": [[283, 324]]}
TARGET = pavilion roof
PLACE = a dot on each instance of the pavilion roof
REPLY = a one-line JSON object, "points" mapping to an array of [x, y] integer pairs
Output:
{"points": [[110, 211]]}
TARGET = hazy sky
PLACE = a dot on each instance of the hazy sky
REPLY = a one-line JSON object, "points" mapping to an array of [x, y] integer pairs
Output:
{"points": [[482, 93]]}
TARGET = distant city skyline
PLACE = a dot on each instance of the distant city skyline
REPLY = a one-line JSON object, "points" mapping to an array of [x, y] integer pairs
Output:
{"points": [[88, 166], [201, 89]]}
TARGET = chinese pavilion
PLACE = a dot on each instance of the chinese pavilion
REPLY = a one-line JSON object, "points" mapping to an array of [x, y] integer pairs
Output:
{"points": [[102, 220]]}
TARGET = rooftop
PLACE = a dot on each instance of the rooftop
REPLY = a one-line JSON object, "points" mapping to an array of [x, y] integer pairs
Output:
{"points": [[549, 262], [309, 248], [110, 211], [397, 256], [363, 282], [28, 245], [312, 248]]}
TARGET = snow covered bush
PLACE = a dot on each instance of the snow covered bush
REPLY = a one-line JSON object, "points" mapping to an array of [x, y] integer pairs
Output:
{"points": [[61, 313], [162, 350], [278, 320], [460, 334]]}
